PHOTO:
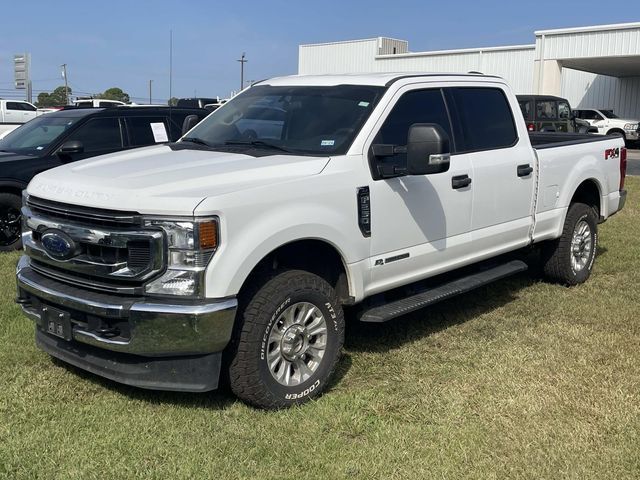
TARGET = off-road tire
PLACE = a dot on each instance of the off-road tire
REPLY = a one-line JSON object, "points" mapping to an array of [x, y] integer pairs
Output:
{"points": [[556, 255], [259, 309], [10, 200]]}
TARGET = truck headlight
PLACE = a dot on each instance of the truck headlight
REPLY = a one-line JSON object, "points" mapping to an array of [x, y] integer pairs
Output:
{"points": [[191, 244], [631, 126]]}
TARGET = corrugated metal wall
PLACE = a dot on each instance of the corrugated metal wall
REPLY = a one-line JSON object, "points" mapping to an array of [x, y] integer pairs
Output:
{"points": [[391, 46], [514, 65], [590, 44], [588, 90], [356, 56]]}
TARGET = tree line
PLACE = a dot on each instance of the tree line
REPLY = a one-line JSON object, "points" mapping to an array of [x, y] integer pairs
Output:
{"points": [[59, 96]]}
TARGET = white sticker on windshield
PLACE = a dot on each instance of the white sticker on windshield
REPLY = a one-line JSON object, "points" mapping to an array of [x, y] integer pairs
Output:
{"points": [[327, 143], [39, 148], [363, 104], [159, 132]]}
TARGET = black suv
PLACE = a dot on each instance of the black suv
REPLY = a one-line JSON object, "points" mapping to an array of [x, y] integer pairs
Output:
{"points": [[74, 134]]}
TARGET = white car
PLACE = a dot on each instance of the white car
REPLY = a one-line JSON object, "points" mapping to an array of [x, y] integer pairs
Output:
{"points": [[97, 103], [608, 123], [14, 113], [302, 195]]}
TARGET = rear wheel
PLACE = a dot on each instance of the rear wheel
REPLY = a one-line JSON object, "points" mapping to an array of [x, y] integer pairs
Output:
{"points": [[10, 229], [569, 259], [288, 342]]}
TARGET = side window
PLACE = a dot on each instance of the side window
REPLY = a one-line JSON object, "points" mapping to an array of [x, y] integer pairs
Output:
{"points": [[147, 131], [418, 106], [485, 119], [564, 111], [99, 134], [13, 106]]}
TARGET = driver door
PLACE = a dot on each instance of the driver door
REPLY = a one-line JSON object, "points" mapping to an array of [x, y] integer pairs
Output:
{"points": [[420, 223]]}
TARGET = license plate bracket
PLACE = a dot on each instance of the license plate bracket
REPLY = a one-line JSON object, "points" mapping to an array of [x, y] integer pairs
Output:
{"points": [[56, 322]]}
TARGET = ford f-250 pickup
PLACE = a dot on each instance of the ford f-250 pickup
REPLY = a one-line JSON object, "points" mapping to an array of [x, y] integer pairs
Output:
{"points": [[235, 249]]}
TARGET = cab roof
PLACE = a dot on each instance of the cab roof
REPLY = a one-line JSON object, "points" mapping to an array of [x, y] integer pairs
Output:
{"points": [[371, 79]]}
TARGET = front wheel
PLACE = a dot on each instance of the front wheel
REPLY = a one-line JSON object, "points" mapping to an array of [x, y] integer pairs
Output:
{"points": [[288, 341], [10, 228], [569, 259]]}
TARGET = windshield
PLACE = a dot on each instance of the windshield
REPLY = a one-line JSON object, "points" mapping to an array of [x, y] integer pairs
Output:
{"points": [[609, 114], [35, 136], [292, 119]]}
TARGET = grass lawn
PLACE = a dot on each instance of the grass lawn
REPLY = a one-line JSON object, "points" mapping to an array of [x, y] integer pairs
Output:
{"points": [[520, 379]]}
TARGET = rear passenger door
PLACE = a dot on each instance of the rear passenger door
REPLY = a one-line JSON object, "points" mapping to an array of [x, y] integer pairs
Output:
{"points": [[504, 170], [145, 131]]}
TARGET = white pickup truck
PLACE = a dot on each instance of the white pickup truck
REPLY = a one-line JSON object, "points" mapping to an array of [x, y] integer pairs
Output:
{"points": [[14, 113], [235, 249]]}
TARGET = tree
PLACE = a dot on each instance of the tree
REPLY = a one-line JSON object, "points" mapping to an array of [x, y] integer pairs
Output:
{"points": [[56, 98], [115, 93], [173, 101]]}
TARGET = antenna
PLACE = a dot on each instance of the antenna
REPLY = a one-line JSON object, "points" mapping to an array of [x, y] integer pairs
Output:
{"points": [[170, 66]]}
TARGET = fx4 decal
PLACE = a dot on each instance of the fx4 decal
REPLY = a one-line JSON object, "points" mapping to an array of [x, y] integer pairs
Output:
{"points": [[611, 153]]}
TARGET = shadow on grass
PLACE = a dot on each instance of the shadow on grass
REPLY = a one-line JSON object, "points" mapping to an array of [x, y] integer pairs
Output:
{"points": [[219, 399], [382, 337]]}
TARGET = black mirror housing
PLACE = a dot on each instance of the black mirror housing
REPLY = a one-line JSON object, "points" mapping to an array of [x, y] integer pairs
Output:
{"points": [[428, 149], [71, 147]]}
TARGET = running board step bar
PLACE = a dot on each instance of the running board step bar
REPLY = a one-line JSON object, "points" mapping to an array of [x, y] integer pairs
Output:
{"points": [[391, 310]]}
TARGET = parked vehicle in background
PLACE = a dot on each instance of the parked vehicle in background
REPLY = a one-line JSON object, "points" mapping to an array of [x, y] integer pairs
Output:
{"points": [[302, 195], [196, 102], [546, 113], [73, 134], [215, 106], [96, 103], [608, 123], [14, 113]]}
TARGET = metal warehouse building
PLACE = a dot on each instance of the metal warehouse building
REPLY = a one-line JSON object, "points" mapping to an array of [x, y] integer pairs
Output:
{"points": [[593, 67]]}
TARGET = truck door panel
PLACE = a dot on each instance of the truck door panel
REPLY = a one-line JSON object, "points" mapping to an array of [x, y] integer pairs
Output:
{"points": [[419, 222]]}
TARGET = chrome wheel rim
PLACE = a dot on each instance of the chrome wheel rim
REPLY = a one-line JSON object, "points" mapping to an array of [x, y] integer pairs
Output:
{"points": [[581, 246], [297, 343], [9, 226]]}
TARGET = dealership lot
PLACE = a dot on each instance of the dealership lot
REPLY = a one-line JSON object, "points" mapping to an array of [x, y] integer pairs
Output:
{"points": [[519, 379]]}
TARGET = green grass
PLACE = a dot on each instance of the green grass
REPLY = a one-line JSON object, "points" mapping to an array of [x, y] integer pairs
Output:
{"points": [[521, 379]]}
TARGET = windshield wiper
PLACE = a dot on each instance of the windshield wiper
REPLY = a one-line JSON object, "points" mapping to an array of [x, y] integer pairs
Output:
{"points": [[258, 143], [195, 140]]}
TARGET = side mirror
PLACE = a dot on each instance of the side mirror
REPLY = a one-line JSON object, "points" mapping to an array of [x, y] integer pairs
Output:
{"points": [[190, 121], [71, 147], [428, 149]]}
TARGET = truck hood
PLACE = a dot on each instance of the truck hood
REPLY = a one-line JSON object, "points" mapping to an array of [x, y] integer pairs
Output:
{"points": [[162, 180]]}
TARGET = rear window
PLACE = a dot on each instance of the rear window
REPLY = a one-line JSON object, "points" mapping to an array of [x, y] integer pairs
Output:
{"points": [[546, 110], [485, 117], [188, 103]]}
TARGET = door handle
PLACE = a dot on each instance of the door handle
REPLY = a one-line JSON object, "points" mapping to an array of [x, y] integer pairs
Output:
{"points": [[460, 181], [524, 170]]}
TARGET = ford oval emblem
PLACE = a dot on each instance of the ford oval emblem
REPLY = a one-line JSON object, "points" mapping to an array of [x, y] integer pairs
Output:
{"points": [[58, 244]]}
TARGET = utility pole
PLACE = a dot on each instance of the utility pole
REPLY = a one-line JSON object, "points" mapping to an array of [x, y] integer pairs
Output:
{"points": [[150, 82], [242, 62], [66, 83]]}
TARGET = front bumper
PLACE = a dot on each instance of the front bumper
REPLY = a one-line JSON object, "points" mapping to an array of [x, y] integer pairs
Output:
{"points": [[109, 332], [632, 135]]}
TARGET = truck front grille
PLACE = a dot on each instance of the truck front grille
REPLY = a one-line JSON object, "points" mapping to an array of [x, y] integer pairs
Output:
{"points": [[108, 251]]}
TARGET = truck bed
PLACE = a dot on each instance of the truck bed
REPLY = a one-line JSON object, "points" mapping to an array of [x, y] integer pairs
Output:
{"points": [[542, 140]]}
